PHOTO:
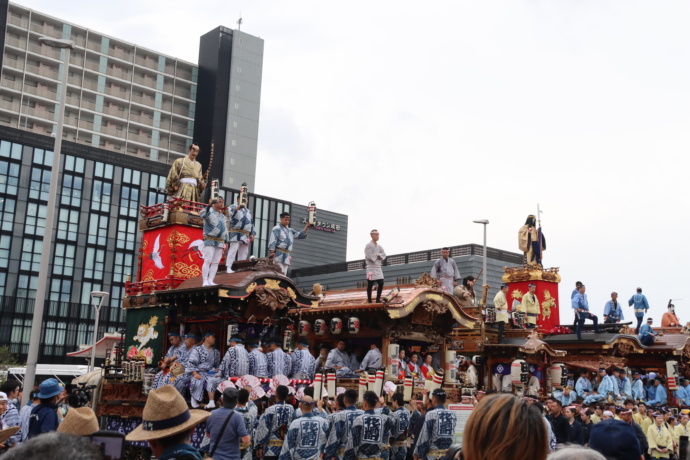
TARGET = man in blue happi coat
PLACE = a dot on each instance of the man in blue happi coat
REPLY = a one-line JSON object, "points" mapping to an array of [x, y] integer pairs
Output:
{"points": [[613, 313], [640, 306], [306, 438], [241, 233], [215, 237], [281, 241]]}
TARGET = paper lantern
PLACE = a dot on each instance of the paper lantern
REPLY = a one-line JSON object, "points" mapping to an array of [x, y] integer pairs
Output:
{"points": [[304, 328], [287, 340], [559, 376], [672, 375], [353, 325], [393, 362], [336, 326], [451, 367], [519, 373], [320, 327]]}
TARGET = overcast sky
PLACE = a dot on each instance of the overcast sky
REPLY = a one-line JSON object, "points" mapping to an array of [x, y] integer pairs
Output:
{"points": [[417, 118]]}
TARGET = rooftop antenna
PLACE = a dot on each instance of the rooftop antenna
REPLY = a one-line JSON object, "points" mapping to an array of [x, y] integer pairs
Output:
{"points": [[239, 22]]}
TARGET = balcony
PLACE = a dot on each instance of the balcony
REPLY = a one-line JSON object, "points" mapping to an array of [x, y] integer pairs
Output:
{"points": [[119, 73], [148, 82], [46, 51], [183, 91], [147, 62], [16, 42], [19, 21], [181, 109], [44, 71], [40, 91], [12, 84], [146, 119], [119, 53], [43, 113], [118, 92], [146, 100], [10, 106], [14, 64], [113, 130], [184, 73]]}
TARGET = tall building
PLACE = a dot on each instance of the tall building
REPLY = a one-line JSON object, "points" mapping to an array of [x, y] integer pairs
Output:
{"points": [[129, 113]]}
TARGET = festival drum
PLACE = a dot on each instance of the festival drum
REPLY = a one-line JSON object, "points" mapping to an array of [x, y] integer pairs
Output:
{"points": [[304, 328], [490, 314], [353, 325], [336, 326], [519, 319], [320, 327]]}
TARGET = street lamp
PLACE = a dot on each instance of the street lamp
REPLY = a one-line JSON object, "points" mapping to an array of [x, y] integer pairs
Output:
{"points": [[484, 222], [39, 301], [96, 306]]}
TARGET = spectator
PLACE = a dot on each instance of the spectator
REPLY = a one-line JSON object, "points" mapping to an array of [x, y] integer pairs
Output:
{"points": [[168, 424], [615, 440], [522, 435], [44, 417], [559, 424], [25, 414], [587, 424], [13, 389], [576, 453], [574, 434], [56, 446], [227, 428], [80, 421]]}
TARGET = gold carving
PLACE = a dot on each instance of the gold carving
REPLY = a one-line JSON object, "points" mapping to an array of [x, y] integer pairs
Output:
{"points": [[176, 238], [272, 284], [275, 299], [434, 306], [223, 293], [314, 304], [250, 288], [144, 245], [291, 293], [624, 348], [187, 271], [531, 273], [148, 276], [426, 281], [546, 306], [435, 297]]}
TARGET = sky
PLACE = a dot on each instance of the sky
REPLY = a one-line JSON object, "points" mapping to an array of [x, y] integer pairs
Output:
{"points": [[418, 118]]}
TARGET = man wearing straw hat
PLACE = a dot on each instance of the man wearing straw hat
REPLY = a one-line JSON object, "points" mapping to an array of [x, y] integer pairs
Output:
{"points": [[80, 421], [168, 425], [44, 416], [306, 437]]}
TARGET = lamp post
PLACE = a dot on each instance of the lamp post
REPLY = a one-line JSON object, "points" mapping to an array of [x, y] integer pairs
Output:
{"points": [[484, 222], [39, 301], [96, 306]]}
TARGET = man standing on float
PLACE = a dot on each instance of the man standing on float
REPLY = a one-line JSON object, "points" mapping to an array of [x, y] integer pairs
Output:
{"points": [[282, 239], [215, 238]]}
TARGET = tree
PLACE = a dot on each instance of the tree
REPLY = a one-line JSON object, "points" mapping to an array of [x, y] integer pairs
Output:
{"points": [[7, 360]]}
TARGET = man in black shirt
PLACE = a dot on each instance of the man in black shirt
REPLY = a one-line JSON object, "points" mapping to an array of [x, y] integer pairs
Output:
{"points": [[559, 424]]}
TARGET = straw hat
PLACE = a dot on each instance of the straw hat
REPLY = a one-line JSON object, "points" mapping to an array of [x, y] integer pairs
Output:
{"points": [[166, 414], [80, 421], [7, 433]]}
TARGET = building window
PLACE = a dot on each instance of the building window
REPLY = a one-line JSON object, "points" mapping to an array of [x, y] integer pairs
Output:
{"points": [[5, 241], [60, 291], [71, 190], [94, 264], [124, 263], [68, 224], [103, 170], [156, 189], [9, 177], [129, 201], [63, 260], [43, 157], [31, 255], [40, 184], [10, 150], [86, 289], [3, 282], [7, 206], [102, 193], [74, 164], [35, 219], [98, 230], [126, 234]]}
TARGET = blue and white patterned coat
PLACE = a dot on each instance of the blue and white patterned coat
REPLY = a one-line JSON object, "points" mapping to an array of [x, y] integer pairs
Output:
{"points": [[202, 360], [370, 436], [257, 363], [268, 436], [283, 238], [11, 419], [181, 382], [339, 431], [162, 378], [437, 434], [215, 226], [241, 219], [583, 386], [235, 362], [278, 362], [302, 362], [306, 438], [401, 418], [250, 422]]}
